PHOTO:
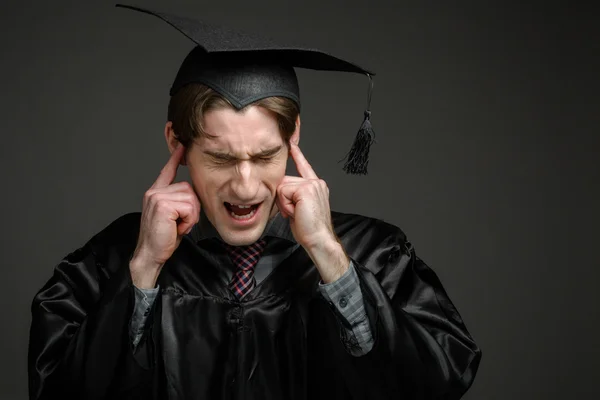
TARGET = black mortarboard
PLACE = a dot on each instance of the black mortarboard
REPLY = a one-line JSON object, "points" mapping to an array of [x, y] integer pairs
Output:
{"points": [[245, 68]]}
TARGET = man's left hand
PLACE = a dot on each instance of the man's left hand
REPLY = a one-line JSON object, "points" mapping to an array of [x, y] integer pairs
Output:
{"points": [[305, 201]]}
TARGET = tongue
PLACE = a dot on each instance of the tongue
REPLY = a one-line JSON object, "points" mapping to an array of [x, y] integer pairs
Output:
{"points": [[241, 211]]}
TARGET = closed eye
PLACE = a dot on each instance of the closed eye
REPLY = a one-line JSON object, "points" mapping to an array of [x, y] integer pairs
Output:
{"points": [[264, 156], [222, 160], [225, 161]]}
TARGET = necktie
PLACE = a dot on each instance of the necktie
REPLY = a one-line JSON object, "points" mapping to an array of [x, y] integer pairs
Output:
{"points": [[245, 259]]}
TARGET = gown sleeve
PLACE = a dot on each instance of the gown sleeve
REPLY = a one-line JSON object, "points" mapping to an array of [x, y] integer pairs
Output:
{"points": [[79, 345], [422, 348]]}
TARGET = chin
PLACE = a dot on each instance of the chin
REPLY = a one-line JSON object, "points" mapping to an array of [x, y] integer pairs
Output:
{"points": [[241, 238]]}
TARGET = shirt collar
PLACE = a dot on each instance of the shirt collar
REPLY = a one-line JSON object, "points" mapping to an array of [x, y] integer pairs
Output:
{"points": [[277, 227]]}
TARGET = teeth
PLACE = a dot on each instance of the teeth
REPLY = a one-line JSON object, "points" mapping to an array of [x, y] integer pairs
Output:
{"points": [[242, 217], [240, 206]]}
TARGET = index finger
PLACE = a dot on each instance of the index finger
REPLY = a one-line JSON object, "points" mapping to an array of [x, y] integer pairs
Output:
{"points": [[169, 172], [302, 165]]}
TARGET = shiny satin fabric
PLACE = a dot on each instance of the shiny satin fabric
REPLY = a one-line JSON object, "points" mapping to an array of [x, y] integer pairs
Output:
{"points": [[283, 341]]}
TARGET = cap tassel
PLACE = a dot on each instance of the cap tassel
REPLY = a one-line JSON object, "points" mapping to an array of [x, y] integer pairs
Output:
{"points": [[357, 158]]}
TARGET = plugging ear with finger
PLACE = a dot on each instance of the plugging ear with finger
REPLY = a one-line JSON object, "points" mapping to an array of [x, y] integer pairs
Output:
{"points": [[305, 201], [173, 141], [170, 210]]}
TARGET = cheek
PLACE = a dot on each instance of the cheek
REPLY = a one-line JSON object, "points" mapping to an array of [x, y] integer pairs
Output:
{"points": [[206, 180], [273, 175]]}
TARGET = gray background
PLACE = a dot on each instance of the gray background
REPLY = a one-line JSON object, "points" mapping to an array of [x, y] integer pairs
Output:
{"points": [[487, 156]]}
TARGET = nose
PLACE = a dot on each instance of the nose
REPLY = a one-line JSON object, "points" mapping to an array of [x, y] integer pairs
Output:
{"points": [[245, 183]]}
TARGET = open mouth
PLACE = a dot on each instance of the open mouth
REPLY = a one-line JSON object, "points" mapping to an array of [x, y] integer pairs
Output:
{"points": [[242, 211]]}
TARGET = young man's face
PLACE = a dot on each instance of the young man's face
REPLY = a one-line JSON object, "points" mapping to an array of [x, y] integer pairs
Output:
{"points": [[236, 173]]}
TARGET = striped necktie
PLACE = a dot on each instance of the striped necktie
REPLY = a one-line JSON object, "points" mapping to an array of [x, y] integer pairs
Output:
{"points": [[245, 259]]}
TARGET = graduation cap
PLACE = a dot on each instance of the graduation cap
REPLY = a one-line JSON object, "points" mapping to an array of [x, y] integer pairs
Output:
{"points": [[245, 68]]}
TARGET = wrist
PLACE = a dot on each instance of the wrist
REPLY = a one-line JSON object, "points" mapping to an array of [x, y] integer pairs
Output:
{"points": [[330, 259], [144, 272]]}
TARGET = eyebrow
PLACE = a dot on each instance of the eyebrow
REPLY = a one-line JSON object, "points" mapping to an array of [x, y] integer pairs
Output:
{"points": [[228, 156]]}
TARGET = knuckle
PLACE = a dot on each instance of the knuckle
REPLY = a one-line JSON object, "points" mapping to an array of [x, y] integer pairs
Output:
{"points": [[187, 198], [162, 205], [193, 199]]}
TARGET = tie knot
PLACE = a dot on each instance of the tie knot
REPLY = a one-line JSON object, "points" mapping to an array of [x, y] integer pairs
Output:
{"points": [[246, 257]]}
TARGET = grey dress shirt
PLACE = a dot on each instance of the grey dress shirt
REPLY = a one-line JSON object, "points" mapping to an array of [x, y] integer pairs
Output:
{"points": [[345, 293]]}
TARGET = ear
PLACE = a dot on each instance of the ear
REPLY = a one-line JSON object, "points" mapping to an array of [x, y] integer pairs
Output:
{"points": [[173, 140], [295, 138]]}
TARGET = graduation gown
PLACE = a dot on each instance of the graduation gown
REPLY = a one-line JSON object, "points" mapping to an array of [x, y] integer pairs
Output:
{"points": [[282, 341]]}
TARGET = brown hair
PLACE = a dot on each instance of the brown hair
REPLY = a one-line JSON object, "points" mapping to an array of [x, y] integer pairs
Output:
{"points": [[188, 106]]}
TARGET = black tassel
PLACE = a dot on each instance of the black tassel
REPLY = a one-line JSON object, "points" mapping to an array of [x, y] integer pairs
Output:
{"points": [[357, 159]]}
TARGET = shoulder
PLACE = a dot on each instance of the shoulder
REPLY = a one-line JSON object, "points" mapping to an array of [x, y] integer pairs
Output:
{"points": [[119, 230], [120, 234], [371, 242], [348, 224], [86, 270], [117, 238]]}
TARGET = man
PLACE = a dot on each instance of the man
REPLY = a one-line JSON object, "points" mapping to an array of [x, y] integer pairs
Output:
{"points": [[244, 284]]}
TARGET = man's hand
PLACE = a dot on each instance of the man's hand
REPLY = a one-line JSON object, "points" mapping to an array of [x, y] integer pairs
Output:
{"points": [[305, 201], [170, 210]]}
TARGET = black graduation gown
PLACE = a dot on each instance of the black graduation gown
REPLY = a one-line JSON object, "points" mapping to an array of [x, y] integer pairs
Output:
{"points": [[284, 341]]}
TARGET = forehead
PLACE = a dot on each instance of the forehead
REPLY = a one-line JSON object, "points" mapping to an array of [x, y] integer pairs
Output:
{"points": [[252, 126]]}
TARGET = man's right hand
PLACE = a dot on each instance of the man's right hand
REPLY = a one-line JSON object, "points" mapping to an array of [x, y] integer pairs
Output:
{"points": [[170, 210]]}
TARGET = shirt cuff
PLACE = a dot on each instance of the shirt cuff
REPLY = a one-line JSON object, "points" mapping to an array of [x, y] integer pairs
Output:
{"points": [[346, 296], [144, 298]]}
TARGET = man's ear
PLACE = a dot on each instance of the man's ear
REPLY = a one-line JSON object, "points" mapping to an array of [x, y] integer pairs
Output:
{"points": [[295, 138], [173, 141]]}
